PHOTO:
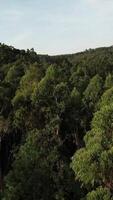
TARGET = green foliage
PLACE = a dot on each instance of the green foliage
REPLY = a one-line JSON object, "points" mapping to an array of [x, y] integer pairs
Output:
{"points": [[52, 109], [38, 168], [14, 74], [93, 164], [93, 91], [106, 98], [79, 79], [99, 193], [109, 81], [19, 118]]}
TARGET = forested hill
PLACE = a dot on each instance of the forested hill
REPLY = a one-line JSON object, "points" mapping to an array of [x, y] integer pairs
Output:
{"points": [[56, 125]]}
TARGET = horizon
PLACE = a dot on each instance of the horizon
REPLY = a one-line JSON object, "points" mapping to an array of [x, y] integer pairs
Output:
{"points": [[46, 54], [57, 28]]}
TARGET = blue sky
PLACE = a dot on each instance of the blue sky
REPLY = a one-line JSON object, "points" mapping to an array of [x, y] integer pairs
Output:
{"points": [[56, 26]]}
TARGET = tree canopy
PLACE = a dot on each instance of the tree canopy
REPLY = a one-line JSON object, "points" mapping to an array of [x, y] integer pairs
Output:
{"points": [[56, 125]]}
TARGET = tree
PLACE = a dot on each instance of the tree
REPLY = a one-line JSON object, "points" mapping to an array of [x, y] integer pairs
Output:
{"points": [[39, 172], [93, 163], [109, 81], [99, 193], [93, 92]]}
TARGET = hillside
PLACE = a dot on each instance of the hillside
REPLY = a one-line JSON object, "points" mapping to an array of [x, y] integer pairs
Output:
{"points": [[56, 118]]}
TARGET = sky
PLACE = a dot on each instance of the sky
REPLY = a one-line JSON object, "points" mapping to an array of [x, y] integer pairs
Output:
{"points": [[56, 26]]}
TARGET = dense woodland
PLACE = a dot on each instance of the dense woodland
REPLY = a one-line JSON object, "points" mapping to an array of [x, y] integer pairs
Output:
{"points": [[56, 125]]}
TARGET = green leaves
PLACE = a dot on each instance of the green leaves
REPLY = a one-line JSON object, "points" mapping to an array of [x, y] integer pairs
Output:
{"points": [[93, 91], [93, 164], [52, 106], [99, 194], [38, 171], [109, 81]]}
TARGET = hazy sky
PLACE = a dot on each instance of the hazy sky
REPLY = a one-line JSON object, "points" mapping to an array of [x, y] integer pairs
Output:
{"points": [[56, 26]]}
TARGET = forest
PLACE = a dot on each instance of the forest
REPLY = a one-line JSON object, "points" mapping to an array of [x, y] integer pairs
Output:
{"points": [[56, 125]]}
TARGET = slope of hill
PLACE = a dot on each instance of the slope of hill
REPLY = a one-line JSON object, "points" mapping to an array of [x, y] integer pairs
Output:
{"points": [[56, 117]]}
